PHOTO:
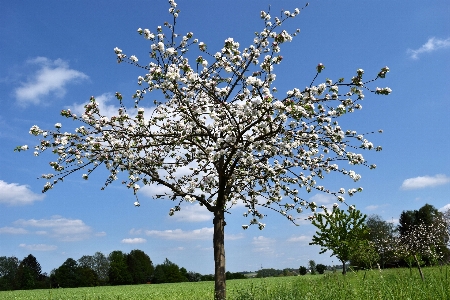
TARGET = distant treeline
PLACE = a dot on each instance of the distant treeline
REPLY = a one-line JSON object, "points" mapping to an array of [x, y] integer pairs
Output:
{"points": [[118, 268]]}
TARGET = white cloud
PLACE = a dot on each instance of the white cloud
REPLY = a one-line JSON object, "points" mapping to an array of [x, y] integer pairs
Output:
{"points": [[106, 108], [372, 207], [178, 234], [301, 238], [192, 213], [204, 233], [134, 241], [375, 207], [63, 229], [15, 194], [431, 45], [51, 77], [323, 198], [263, 244], [12, 230], [424, 181], [444, 208], [39, 247]]}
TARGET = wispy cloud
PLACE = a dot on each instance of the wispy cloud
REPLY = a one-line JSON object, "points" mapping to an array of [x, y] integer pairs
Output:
{"points": [[51, 77], [105, 105], [108, 106], [192, 213], [444, 208], [323, 198], [12, 230], [431, 45], [204, 233], [263, 244], [375, 207], [424, 182], [63, 229], [15, 194], [134, 241], [301, 238], [179, 234], [38, 247]]}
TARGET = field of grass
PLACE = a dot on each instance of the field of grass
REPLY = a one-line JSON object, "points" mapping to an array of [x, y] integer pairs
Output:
{"points": [[387, 284]]}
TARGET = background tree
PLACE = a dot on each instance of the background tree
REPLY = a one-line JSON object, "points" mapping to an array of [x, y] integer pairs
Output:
{"points": [[235, 275], [321, 268], [28, 273], [302, 270], [8, 270], [223, 120], [67, 275], [312, 267], [382, 236], [168, 272], [194, 276], [339, 232], [268, 273], [424, 231], [118, 273], [363, 254], [101, 267], [140, 266], [98, 263], [87, 277]]}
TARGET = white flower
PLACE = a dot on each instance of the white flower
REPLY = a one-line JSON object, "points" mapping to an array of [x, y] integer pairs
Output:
{"points": [[58, 125], [170, 51], [133, 58], [85, 177], [136, 203], [24, 147]]}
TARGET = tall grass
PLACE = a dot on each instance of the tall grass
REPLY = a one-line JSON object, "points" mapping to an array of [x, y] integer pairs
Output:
{"points": [[387, 284], [373, 284]]}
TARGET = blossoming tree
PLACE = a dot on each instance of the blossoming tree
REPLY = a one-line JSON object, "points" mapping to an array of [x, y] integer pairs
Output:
{"points": [[220, 133]]}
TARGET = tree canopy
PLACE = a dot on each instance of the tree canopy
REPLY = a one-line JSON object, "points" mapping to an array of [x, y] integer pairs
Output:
{"points": [[339, 232]]}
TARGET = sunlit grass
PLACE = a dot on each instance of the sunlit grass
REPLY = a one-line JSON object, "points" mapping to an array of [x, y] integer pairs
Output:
{"points": [[373, 284]]}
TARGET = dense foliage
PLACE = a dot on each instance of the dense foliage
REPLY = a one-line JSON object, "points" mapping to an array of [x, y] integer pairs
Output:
{"points": [[340, 232], [118, 268]]}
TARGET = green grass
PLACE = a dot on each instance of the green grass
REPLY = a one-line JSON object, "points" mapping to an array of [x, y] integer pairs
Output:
{"points": [[387, 284]]}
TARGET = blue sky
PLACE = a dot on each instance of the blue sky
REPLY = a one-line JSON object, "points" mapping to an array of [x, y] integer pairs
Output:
{"points": [[56, 54]]}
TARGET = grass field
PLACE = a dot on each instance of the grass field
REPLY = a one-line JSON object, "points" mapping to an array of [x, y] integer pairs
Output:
{"points": [[387, 284]]}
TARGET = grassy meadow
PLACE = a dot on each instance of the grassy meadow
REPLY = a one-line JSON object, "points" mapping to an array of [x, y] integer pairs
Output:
{"points": [[373, 284]]}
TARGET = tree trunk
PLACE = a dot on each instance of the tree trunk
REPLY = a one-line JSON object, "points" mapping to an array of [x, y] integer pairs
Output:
{"points": [[420, 269], [344, 271], [219, 255]]}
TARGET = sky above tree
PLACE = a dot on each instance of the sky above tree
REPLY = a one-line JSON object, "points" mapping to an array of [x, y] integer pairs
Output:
{"points": [[55, 55]]}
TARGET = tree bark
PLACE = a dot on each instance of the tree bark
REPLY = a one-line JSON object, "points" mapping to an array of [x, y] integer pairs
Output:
{"points": [[344, 271], [219, 255], [418, 266]]}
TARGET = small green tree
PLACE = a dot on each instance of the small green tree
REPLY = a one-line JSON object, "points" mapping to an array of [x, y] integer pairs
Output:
{"points": [[364, 254], [321, 268], [312, 266], [302, 270], [339, 232]]}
